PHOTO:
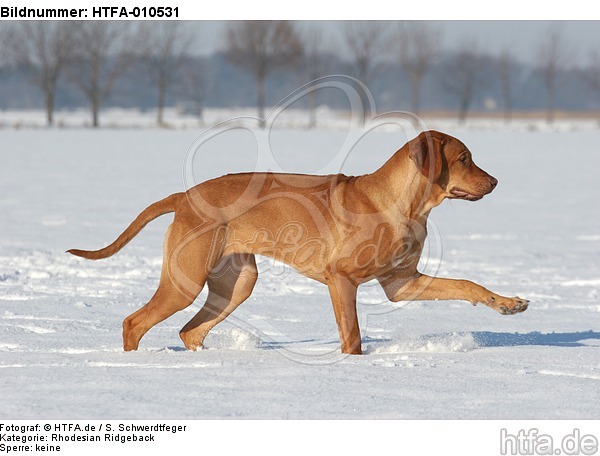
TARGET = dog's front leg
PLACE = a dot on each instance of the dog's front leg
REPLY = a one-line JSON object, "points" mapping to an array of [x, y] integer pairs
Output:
{"points": [[424, 288], [343, 297]]}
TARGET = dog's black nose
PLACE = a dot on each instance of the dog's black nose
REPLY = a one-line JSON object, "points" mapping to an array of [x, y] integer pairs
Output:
{"points": [[493, 182]]}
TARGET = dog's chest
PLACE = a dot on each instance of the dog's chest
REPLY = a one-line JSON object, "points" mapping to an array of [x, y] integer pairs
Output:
{"points": [[376, 247]]}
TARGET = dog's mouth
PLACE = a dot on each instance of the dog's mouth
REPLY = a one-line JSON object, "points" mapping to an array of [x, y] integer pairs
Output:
{"points": [[458, 193]]}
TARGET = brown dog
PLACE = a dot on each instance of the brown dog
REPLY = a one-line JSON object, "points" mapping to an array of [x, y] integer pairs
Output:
{"points": [[339, 230]]}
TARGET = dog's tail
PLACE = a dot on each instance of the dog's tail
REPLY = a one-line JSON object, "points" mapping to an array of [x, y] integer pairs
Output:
{"points": [[169, 204]]}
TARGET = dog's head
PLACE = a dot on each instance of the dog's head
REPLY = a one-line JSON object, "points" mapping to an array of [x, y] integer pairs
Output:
{"points": [[447, 163]]}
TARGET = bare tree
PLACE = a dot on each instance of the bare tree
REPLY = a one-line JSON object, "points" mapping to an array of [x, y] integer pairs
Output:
{"points": [[5, 47], [260, 47], [366, 41], [316, 65], [165, 45], [591, 74], [6, 59], [506, 69], [43, 47], [462, 75], [103, 53], [418, 44], [195, 84], [552, 57]]}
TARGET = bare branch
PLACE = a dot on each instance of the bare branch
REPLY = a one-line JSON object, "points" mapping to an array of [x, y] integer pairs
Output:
{"points": [[418, 45], [6, 52], [506, 69], [366, 41], [166, 43], [195, 84], [591, 74], [44, 48], [316, 65], [103, 53], [552, 57], [260, 47], [462, 75]]}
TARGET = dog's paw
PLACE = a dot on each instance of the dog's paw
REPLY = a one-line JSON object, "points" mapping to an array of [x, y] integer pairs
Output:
{"points": [[511, 306]]}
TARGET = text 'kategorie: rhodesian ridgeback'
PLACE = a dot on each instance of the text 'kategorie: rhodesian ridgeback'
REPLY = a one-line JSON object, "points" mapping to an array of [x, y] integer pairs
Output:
{"points": [[339, 230]]}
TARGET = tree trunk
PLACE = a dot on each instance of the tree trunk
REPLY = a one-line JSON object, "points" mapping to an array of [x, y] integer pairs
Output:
{"points": [[160, 104], [507, 106], [416, 93], [200, 112], [260, 97], [50, 108], [465, 102], [550, 103], [312, 108], [507, 115], [506, 94], [95, 109]]}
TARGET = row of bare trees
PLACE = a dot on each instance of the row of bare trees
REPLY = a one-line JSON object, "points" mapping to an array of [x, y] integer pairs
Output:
{"points": [[417, 45], [93, 55]]}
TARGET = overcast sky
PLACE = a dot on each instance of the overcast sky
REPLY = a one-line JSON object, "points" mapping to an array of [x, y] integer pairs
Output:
{"points": [[522, 37]]}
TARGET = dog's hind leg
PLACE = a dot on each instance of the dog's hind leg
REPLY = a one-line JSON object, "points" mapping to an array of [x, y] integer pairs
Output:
{"points": [[229, 285], [184, 273]]}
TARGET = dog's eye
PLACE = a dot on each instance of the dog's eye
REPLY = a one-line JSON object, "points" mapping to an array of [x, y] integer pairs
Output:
{"points": [[464, 159]]}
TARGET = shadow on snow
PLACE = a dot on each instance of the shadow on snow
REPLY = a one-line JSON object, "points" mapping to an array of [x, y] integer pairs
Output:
{"points": [[573, 339]]}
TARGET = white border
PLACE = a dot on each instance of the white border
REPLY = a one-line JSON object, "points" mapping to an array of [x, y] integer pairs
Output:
{"points": [[345, 10]]}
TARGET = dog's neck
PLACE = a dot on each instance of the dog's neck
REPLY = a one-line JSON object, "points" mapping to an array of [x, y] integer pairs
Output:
{"points": [[399, 186]]}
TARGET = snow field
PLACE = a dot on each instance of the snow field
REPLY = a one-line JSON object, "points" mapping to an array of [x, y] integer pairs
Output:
{"points": [[537, 236]]}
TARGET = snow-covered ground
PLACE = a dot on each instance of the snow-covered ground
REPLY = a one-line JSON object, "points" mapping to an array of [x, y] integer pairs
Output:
{"points": [[327, 118], [536, 236]]}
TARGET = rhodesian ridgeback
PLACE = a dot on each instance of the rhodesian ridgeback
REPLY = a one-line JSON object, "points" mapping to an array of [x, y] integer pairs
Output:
{"points": [[339, 230]]}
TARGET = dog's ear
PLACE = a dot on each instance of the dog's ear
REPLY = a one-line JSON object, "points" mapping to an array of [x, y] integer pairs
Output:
{"points": [[427, 152]]}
